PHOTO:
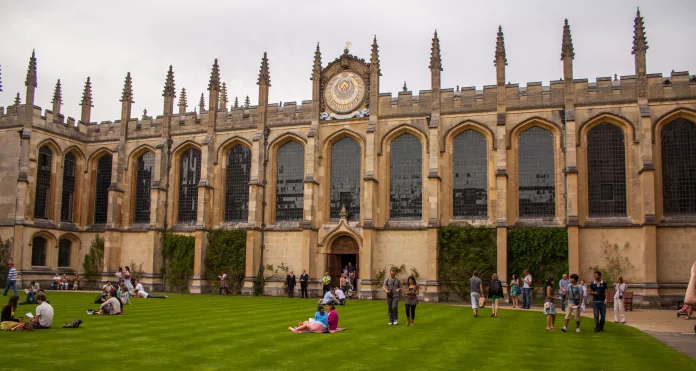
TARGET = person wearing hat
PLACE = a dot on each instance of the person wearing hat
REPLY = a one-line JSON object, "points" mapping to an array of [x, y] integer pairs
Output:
{"points": [[11, 280]]}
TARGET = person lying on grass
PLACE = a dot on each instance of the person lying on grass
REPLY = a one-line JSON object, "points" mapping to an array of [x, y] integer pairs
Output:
{"points": [[320, 322], [140, 292], [111, 306]]}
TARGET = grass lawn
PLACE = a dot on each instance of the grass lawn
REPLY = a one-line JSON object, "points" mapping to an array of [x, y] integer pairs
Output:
{"points": [[187, 332]]}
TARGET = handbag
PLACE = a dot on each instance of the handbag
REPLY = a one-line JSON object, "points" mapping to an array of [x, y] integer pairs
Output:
{"points": [[482, 302]]}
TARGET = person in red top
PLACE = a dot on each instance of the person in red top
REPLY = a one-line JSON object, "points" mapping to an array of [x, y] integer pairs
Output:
{"points": [[333, 319]]}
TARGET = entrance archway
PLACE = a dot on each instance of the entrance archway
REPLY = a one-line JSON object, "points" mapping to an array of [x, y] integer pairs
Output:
{"points": [[344, 252]]}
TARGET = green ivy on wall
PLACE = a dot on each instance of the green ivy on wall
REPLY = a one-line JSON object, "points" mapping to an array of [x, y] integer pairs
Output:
{"points": [[226, 252], [178, 254], [544, 251], [463, 250]]}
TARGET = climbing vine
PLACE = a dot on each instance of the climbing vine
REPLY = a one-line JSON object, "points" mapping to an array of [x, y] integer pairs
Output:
{"points": [[463, 250], [226, 252], [544, 251], [178, 254]]}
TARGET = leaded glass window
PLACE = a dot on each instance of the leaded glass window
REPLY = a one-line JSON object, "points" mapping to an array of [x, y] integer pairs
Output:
{"points": [[43, 183], [606, 171], [238, 174], [537, 183], [679, 168], [68, 197], [345, 178], [290, 182], [469, 183], [143, 183], [101, 194], [189, 177], [38, 251], [406, 179], [64, 252]]}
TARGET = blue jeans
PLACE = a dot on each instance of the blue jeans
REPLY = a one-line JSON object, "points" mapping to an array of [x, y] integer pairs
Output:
{"points": [[9, 284], [31, 298], [563, 304], [526, 297], [600, 309]]}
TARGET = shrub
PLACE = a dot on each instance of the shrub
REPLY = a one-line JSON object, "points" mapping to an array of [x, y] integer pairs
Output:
{"points": [[178, 252], [616, 263], [93, 264], [5, 258], [463, 250], [226, 252], [544, 251]]}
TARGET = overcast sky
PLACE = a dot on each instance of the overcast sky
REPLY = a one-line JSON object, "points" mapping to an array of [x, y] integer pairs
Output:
{"points": [[104, 40]]}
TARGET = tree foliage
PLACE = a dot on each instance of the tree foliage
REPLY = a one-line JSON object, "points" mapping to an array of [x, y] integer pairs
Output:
{"points": [[5, 258], [544, 251], [226, 252], [616, 262], [93, 264], [463, 250], [178, 252]]}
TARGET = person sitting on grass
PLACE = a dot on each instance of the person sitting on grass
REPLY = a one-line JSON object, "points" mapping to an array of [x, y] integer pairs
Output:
{"points": [[31, 293], [320, 322], [333, 319], [340, 295], [9, 309], [111, 306], [44, 313], [329, 297], [140, 292]]}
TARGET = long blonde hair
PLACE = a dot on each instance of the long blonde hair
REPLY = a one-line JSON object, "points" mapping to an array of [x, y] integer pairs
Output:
{"points": [[495, 276]]}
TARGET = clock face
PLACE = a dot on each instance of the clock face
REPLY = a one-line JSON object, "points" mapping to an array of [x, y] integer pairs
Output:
{"points": [[344, 92]]}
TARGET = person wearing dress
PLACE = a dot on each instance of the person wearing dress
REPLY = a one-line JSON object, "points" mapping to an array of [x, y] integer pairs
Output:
{"points": [[224, 283], [549, 306], [411, 292], [127, 278], [495, 293], [320, 322], [515, 290], [619, 308]]}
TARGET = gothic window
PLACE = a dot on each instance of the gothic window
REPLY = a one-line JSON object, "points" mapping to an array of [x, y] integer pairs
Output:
{"points": [[606, 171], [345, 178], [537, 183], [143, 182], [43, 183], [101, 194], [189, 177], [38, 251], [679, 168], [64, 252], [406, 179], [238, 173], [470, 165], [290, 182], [68, 199]]}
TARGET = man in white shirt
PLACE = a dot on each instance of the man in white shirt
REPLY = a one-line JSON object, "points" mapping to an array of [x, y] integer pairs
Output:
{"points": [[44, 313], [140, 292], [111, 306], [527, 290], [340, 295]]}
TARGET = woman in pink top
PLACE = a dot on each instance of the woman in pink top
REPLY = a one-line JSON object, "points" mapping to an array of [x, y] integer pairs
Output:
{"points": [[333, 319]]}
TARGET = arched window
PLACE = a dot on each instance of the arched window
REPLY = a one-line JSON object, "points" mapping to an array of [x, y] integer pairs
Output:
{"points": [[345, 178], [189, 177], [537, 183], [406, 179], [143, 183], [64, 252], [290, 182], [68, 199], [606, 171], [38, 251], [470, 168], [101, 193], [43, 183], [237, 175], [679, 168]]}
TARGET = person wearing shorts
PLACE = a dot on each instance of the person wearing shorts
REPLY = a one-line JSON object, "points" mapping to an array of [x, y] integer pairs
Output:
{"points": [[574, 298], [476, 286], [495, 293]]}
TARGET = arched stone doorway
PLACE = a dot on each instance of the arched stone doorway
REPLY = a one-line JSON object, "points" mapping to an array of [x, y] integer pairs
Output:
{"points": [[344, 252]]}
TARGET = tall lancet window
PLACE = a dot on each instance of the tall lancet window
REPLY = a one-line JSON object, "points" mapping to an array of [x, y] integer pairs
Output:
{"points": [[237, 176], [537, 183], [406, 179], [345, 178], [189, 177]]}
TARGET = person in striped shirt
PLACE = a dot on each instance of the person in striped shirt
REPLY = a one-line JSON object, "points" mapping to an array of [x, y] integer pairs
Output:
{"points": [[11, 280]]}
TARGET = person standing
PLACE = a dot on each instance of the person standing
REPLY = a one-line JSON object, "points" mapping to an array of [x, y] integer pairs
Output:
{"points": [[291, 281], [304, 280], [526, 290], [619, 308], [412, 290], [11, 280], [476, 286], [584, 295], [392, 287], [574, 297], [562, 290], [326, 280], [224, 283], [128, 279], [515, 290], [495, 293], [598, 289], [549, 306]]}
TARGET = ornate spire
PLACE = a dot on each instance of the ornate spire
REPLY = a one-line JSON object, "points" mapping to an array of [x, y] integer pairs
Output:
{"points": [[374, 57], [214, 83], [264, 74], [236, 102], [223, 96], [127, 95], [567, 45], [58, 94], [316, 69], [169, 84], [435, 59], [500, 57], [201, 104], [405, 89], [31, 72], [247, 102], [87, 94], [182, 98], [144, 113], [0, 78], [18, 100], [640, 42]]}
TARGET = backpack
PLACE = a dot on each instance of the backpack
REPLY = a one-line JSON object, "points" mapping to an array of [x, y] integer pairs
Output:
{"points": [[495, 286], [74, 324]]}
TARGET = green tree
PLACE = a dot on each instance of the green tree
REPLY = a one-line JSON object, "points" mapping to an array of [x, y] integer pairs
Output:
{"points": [[178, 255], [544, 251], [94, 260], [5, 258]]}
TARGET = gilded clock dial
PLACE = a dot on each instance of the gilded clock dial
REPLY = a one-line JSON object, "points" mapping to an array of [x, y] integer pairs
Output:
{"points": [[344, 92]]}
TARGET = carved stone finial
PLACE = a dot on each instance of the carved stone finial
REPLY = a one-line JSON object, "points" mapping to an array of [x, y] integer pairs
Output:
{"points": [[87, 94], [247, 102], [145, 113], [264, 73], [169, 90], [457, 87], [405, 89], [201, 104], [374, 57], [236, 102], [640, 41], [31, 71], [58, 94], [616, 77], [567, 49], [182, 98], [223, 96], [500, 57], [344, 213], [214, 83], [435, 58], [18, 100], [316, 68], [127, 95]]}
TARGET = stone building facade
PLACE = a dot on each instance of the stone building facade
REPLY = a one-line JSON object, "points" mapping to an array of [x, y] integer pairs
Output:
{"points": [[355, 175]]}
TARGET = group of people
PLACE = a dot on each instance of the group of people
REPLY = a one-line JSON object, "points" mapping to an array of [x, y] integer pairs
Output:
{"points": [[324, 321], [64, 282], [42, 320], [113, 298]]}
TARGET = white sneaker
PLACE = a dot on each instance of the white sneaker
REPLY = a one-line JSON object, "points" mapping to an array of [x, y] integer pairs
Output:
{"points": [[391, 323], [395, 322], [577, 330]]}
